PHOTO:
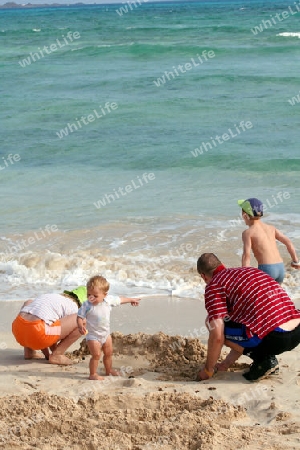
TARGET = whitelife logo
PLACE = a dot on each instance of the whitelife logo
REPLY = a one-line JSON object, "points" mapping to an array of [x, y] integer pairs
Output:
{"points": [[278, 17], [124, 9], [205, 146], [22, 244], [121, 192], [47, 50], [85, 120], [9, 160], [183, 68], [294, 100]]}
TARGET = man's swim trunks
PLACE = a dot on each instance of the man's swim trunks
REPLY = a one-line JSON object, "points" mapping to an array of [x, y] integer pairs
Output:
{"points": [[237, 333], [35, 334]]}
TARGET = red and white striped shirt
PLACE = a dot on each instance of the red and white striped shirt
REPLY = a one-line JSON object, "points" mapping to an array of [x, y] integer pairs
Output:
{"points": [[249, 296]]}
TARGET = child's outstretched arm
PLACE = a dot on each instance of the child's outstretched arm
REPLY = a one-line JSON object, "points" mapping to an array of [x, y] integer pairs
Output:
{"points": [[133, 301]]}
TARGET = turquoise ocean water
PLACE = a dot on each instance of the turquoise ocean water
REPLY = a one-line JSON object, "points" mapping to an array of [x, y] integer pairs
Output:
{"points": [[128, 137]]}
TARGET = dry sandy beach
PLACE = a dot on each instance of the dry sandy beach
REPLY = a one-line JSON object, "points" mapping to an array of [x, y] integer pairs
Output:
{"points": [[154, 404]]}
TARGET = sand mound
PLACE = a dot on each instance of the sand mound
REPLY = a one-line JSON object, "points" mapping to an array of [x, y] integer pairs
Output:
{"points": [[174, 357]]}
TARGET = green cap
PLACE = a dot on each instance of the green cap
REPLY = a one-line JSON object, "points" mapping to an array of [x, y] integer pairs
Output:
{"points": [[252, 206], [80, 292]]}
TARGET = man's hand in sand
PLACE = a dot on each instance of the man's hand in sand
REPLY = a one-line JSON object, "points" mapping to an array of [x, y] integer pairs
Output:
{"points": [[230, 359], [222, 366], [203, 375]]}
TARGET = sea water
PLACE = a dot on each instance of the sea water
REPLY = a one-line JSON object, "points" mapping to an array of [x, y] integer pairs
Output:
{"points": [[128, 135]]}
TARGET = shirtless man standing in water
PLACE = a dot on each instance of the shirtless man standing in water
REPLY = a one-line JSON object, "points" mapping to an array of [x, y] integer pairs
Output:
{"points": [[261, 238]]}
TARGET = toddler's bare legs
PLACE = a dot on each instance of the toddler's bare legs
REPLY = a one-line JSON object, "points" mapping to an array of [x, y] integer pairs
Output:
{"points": [[95, 351], [107, 358]]}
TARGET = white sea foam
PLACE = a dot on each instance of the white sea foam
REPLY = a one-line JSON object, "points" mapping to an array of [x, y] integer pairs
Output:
{"points": [[145, 263], [127, 44], [117, 243], [289, 34]]}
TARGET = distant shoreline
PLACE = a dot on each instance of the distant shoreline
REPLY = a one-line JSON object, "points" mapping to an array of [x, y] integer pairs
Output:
{"points": [[12, 5]]}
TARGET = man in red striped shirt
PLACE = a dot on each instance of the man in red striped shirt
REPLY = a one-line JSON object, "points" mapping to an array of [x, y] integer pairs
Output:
{"points": [[249, 312]]}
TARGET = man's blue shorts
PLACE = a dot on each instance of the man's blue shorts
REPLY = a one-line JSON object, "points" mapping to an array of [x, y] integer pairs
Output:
{"points": [[236, 332]]}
